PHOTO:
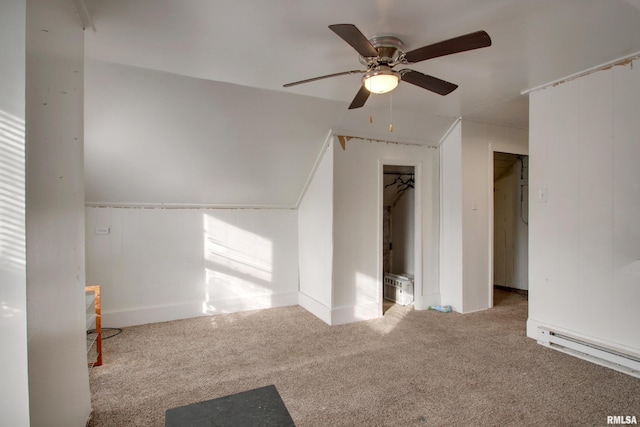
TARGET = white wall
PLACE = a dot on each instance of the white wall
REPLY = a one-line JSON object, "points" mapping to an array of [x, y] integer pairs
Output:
{"points": [[467, 201], [14, 393], [584, 265], [315, 239], [58, 375], [160, 264], [479, 141], [357, 252], [451, 218]]}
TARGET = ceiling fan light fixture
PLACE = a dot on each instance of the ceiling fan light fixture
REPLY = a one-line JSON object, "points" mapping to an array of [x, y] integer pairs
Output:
{"points": [[381, 79]]}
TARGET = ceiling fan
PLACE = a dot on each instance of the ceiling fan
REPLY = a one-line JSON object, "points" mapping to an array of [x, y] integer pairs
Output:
{"points": [[381, 54]]}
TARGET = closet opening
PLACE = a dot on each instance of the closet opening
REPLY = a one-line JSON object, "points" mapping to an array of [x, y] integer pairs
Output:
{"points": [[510, 225], [398, 230]]}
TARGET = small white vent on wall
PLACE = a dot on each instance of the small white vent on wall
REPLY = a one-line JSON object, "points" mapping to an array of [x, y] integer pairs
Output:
{"points": [[596, 353]]}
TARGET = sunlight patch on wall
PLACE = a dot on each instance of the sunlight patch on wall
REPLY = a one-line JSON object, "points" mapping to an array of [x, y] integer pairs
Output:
{"points": [[239, 266], [366, 289], [12, 198], [232, 285], [12, 202], [366, 297]]}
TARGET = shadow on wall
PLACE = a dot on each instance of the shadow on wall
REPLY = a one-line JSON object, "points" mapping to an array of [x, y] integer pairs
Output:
{"points": [[238, 268]]}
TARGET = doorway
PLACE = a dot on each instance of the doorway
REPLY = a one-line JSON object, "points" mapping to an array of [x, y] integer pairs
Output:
{"points": [[510, 224], [398, 230]]}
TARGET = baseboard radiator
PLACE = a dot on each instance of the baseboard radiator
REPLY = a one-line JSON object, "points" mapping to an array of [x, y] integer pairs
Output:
{"points": [[601, 355]]}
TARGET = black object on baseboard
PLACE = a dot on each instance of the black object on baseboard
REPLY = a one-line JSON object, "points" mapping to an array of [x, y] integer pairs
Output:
{"points": [[259, 407]]}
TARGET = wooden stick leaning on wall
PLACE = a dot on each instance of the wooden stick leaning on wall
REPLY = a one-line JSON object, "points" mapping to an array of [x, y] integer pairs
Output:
{"points": [[96, 290]]}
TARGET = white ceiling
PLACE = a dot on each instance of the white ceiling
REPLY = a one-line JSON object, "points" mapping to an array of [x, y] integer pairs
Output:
{"points": [[264, 44]]}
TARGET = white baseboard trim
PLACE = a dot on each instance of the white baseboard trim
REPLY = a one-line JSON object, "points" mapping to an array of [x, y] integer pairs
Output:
{"points": [[315, 307], [144, 315], [355, 313], [475, 310]]}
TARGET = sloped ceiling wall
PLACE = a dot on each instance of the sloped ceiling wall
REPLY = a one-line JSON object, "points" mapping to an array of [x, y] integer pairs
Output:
{"points": [[221, 130], [161, 139]]}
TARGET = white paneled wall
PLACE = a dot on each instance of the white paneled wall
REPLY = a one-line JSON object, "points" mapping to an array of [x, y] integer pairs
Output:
{"points": [[467, 200], [357, 236], [585, 207], [315, 237], [451, 222], [158, 264], [479, 141], [58, 377]]}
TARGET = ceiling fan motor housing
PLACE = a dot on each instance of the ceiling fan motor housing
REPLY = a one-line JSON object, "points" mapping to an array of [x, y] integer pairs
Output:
{"points": [[389, 50]]}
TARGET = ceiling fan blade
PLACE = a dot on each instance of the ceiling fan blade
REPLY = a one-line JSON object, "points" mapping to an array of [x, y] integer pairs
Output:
{"points": [[431, 83], [322, 77], [352, 35], [458, 44], [360, 99]]}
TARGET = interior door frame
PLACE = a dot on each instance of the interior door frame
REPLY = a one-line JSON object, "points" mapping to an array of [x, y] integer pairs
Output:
{"points": [[417, 225], [493, 148]]}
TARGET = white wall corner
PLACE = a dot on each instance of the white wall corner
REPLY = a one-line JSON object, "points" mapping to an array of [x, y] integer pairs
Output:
{"points": [[85, 16], [315, 307], [451, 129], [426, 301], [312, 172]]}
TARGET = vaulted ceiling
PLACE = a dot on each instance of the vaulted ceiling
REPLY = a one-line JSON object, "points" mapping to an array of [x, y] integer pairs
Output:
{"points": [[260, 45]]}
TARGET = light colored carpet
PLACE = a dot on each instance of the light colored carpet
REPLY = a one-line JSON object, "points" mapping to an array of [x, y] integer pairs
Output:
{"points": [[409, 368]]}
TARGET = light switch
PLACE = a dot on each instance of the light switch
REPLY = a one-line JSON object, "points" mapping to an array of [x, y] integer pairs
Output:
{"points": [[102, 230]]}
